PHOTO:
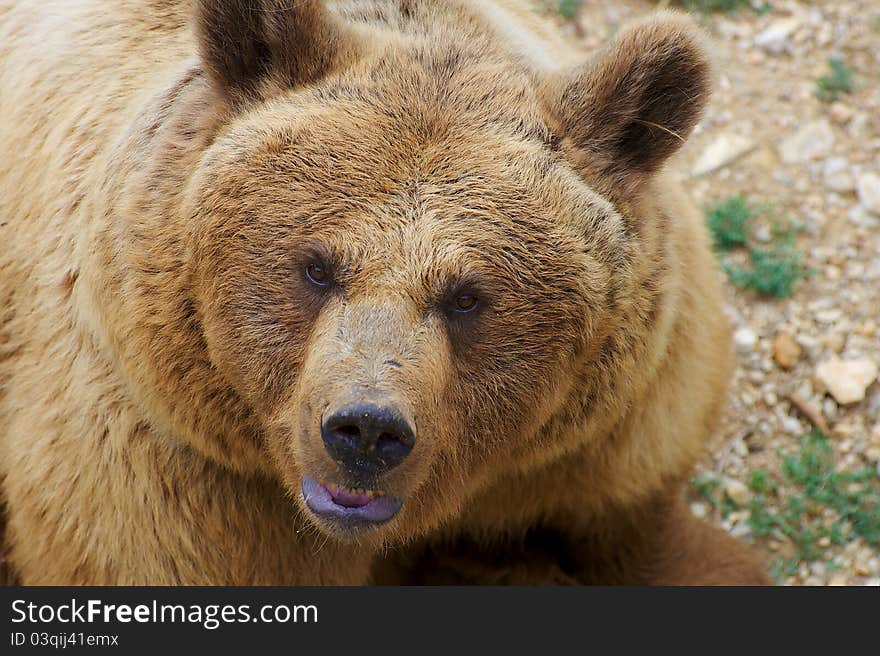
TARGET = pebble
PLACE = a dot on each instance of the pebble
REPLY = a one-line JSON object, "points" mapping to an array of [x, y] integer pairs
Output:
{"points": [[840, 113], [721, 152], [745, 340], [763, 234], [737, 492], [847, 380], [868, 189], [700, 509], [812, 141], [786, 351], [829, 408], [792, 426], [775, 39], [837, 175], [740, 531]]}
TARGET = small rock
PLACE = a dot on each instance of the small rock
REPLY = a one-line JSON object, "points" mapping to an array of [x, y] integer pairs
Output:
{"points": [[763, 234], [791, 426], [868, 189], [847, 380], [837, 175], [829, 409], [840, 113], [812, 141], [700, 509], [737, 492], [745, 340], [860, 216], [775, 39], [740, 531], [838, 581], [834, 341], [786, 351], [721, 152], [867, 329]]}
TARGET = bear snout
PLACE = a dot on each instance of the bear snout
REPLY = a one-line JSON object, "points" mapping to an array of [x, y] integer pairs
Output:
{"points": [[367, 439]]}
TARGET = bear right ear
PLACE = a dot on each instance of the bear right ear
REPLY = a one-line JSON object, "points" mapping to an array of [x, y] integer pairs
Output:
{"points": [[622, 115], [251, 46]]}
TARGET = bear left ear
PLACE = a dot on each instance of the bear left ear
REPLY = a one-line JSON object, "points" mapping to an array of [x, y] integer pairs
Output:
{"points": [[631, 108], [249, 46]]}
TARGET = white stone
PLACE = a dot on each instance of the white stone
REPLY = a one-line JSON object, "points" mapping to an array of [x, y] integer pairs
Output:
{"points": [[725, 149], [792, 426], [774, 39], [837, 175], [700, 510], [860, 216], [737, 492], [763, 234], [812, 141], [745, 340], [740, 531], [868, 188], [847, 380]]}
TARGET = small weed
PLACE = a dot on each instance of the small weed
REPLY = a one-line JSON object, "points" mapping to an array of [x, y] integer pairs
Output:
{"points": [[810, 506], [728, 6], [706, 487], [570, 8], [838, 81], [730, 222], [772, 270]]}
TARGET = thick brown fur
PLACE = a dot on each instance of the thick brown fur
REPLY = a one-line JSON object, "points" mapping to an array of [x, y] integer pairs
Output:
{"points": [[165, 363]]}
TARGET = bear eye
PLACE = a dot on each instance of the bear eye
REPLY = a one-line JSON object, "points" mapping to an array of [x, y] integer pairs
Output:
{"points": [[466, 303], [317, 274]]}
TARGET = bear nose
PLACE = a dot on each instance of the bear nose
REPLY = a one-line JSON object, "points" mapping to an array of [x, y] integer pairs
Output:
{"points": [[367, 439]]}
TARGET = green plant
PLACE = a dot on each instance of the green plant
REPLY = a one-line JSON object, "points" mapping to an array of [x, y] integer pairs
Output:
{"points": [[729, 6], [570, 8], [706, 487], [839, 80], [729, 223], [773, 270], [809, 504]]}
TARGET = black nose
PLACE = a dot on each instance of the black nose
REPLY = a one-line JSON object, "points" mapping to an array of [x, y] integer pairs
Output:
{"points": [[367, 439]]}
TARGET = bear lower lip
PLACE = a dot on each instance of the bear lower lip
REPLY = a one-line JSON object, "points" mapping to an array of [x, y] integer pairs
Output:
{"points": [[347, 507]]}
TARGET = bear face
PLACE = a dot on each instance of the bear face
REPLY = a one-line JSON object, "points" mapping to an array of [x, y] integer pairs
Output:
{"points": [[404, 251], [437, 280]]}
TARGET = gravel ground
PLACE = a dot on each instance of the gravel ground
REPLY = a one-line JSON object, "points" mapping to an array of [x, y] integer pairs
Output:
{"points": [[815, 165]]}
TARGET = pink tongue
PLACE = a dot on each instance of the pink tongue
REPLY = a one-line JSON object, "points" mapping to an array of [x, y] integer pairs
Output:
{"points": [[349, 499]]}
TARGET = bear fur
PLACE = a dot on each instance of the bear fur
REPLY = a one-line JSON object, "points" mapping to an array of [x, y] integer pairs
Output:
{"points": [[173, 168]]}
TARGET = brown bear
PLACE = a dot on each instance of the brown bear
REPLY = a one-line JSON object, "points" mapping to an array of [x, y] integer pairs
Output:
{"points": [[329, 293]]}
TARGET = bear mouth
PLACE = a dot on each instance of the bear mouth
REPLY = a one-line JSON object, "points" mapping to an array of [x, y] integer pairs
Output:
{"points": [[346, 507]]}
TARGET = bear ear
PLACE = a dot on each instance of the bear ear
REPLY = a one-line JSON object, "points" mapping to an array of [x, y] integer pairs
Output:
{"points": [[628, 110], [251, 46]]}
